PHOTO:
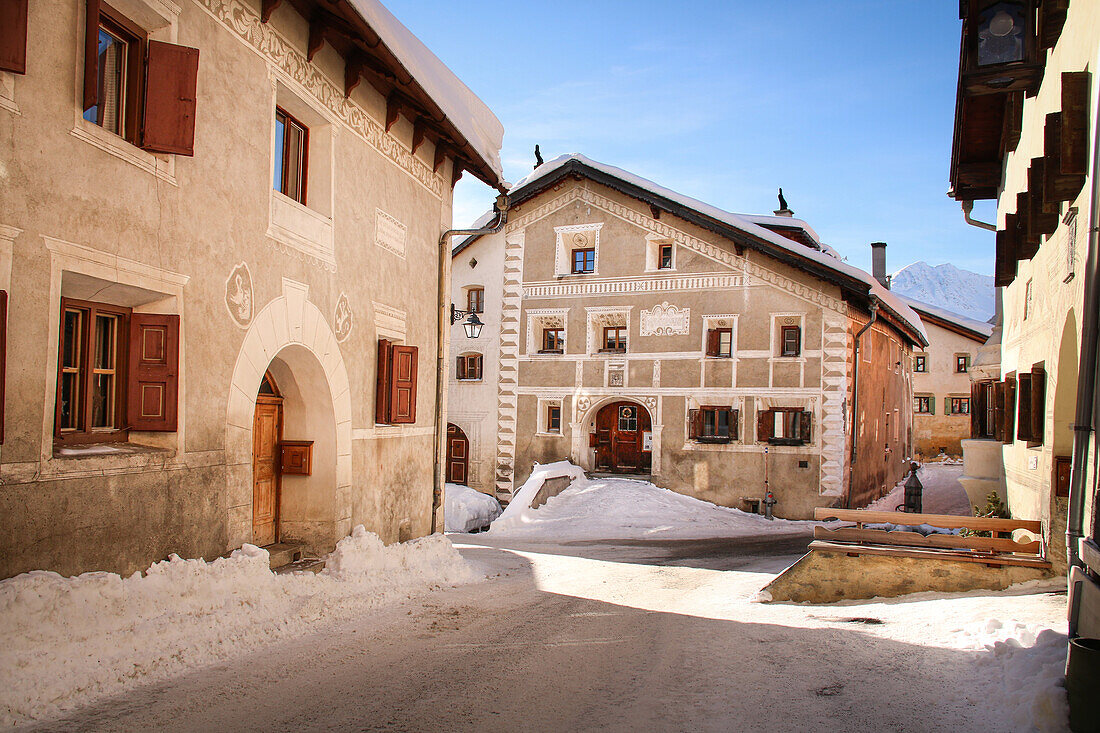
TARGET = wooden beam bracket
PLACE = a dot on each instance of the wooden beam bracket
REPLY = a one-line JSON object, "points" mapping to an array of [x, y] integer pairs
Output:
{"points": [[267, 7]]}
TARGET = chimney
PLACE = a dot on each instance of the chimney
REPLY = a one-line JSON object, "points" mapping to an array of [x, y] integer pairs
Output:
{"points": [[878, 263]]}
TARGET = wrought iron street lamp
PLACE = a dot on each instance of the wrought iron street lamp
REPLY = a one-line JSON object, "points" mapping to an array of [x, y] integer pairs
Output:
{"points": [[471, 325]]}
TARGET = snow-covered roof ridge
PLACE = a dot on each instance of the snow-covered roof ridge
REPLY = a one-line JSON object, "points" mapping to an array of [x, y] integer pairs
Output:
{"points": [[469, 114], [825, 259], [782, 221], [958, 319]]}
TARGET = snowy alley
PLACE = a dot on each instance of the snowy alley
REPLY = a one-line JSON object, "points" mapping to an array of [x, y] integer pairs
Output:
{"points": [[580, 634]]}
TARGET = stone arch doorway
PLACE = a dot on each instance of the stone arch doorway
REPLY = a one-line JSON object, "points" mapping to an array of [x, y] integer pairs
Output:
{"points": [[458, 455], [620, 438]]}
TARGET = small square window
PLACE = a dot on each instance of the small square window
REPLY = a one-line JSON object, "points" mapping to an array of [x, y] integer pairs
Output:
{"points": [[920, 363], [553, 340], [584, 260], [713, 424], [469, 367], [291, 156], [959, 405], [962, 363], [720, 342], [614, 338], [791, 341], [475, 300], [553, 418], [922, 405], [664, 257]]}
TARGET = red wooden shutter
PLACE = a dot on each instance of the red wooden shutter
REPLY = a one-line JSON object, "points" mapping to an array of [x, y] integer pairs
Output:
{"points": [[805, 425], [1038, 403], [976, 409], [171, 81], [3, 354], [13, 36], [152, 389], [695, 423], [382, 384], [403, 385], [712, 342], [998, 428], [91, 53], [765, 425], [733, 420], [1023, 422], [1010, 410], [460, 372], [797, 341]]}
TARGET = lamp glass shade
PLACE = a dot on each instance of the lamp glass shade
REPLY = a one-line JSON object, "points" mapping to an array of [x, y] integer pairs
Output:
{"points": [[472, 326], [1001, 29]]}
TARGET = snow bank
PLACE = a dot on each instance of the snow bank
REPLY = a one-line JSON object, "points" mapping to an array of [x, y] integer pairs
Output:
{"points": [[624, 509], [466, 509], [68, 641]]}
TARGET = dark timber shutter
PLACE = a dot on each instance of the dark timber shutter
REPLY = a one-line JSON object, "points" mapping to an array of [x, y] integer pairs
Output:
{"points": [[977, 408], [805, 426], [171, 81], [999, 432], [797, 345], [13, 36], [460, 371], [403, 385], [382, 384], [712, 342], [1038, 403], [1010, 409], [765, 425], [91, 53], [733, 420], [695, 421], [3, 353], [154, 367], [1023, 422]]}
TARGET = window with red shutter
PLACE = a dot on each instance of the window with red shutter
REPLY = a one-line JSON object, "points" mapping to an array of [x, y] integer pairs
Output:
{"points": [[403, 386], [1023, 419], [153, 374], [765, 425], [1038, 404], [1010, 409], [171, 83], [13, 36], [382, 383], [720, 342]]}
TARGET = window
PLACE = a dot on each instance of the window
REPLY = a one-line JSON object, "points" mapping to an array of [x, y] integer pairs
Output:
{"points": [[614, 338], [553, 418], [791, 341], [469, 366], [957, 405], [584, 260], [785, 426], [713, 424], [141, 90], [962, 363], [553, 341], [920, 363], [664, 257], [923, 404], [628, 418], [395, 384], [291, 156], [1030, 420], [116, 371], [1027, 299], [720, 342], [475, 300]]}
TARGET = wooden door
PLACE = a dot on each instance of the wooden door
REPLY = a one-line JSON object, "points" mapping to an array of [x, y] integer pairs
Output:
{"points": [[458, 455], [620, 433], [267, 432]]}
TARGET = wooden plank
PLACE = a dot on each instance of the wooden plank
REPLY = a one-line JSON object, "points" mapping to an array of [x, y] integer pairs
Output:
{"points": [[1023, 561], [915, 539], [1075, 123], [946, 521]]}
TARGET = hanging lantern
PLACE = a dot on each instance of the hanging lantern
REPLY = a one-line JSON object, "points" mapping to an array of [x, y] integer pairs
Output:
{"points": [[999, 53]]}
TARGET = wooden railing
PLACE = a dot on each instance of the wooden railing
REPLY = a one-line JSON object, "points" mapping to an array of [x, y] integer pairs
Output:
{"points": [[998, 549]]}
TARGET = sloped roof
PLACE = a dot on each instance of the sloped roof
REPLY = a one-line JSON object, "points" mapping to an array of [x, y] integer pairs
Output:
{"points": [[978, 330]]}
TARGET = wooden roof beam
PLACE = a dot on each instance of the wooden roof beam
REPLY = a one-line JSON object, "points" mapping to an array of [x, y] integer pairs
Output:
{"points": [[267, 7]]}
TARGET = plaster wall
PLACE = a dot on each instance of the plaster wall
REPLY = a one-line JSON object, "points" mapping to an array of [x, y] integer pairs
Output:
{"points": [[938, 432]]}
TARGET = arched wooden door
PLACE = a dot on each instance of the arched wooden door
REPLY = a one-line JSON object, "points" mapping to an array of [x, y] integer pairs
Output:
{"points": [[621, 428], [267, 433], [458, 455]]}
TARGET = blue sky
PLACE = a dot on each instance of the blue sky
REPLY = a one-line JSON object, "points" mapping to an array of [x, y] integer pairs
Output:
{"points": [[846, 105]]}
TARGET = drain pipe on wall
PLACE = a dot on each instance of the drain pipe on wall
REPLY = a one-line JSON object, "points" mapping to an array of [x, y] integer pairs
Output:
{"points": [[443, 340], [967, 207], [855, 395], [1086, 374]]}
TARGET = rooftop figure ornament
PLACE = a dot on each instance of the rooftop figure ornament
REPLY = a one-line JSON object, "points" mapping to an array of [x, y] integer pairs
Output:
{"points": [[538, 156], [783, 210]]}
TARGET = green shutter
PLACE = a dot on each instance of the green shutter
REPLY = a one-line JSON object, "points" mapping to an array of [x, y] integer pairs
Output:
{"points": [[932, 405]]}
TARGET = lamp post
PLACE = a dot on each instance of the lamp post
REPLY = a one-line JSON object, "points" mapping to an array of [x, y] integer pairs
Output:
{"points": [[472, 325]]}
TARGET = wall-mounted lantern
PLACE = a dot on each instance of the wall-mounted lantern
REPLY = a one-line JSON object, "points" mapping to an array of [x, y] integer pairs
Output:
{"points": [[472, 325], [999, 47]]}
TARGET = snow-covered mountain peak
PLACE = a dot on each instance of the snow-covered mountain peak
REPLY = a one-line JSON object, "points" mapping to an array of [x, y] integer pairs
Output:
{"points": [[946, 286]]}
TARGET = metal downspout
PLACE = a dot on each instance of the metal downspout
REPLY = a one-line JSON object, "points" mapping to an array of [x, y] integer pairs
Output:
{"points": [[1086, 375], [967, 207], [855, 399], [443, 341]]}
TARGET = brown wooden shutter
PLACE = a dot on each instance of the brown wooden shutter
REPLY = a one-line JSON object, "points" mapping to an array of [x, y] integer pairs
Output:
{"points": [[171, 81], [733, 423], [91, 54], [976, 411], [1010, 410], [1038, 403], [805, 426], [403, 385], [998, 432], [798, 340], [765, 425], [13, 36], [3, 354], [152, 389], [1074, 153], [712, 342], [460, 369], [382, 383], [695, 423], [1023, 421]]}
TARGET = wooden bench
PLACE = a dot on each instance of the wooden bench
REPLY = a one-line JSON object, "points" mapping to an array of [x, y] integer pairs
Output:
{"points": [[995, 550]]}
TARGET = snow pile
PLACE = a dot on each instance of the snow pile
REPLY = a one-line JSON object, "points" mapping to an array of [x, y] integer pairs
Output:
{"points": [[1023, 675], [70, 640], [624, 509], [466, 509]]}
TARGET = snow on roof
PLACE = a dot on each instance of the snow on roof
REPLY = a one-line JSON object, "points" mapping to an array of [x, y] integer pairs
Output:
{"points": [[825, 259], [471, 116], [951, 317], [782, 221]]}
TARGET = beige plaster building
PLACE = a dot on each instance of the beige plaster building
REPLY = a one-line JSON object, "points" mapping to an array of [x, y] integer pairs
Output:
{"points": [[633, 330], [941, 379], [1026, 136], [205, 258]]}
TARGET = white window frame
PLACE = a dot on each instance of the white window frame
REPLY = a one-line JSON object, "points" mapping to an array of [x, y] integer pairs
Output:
{"points": [[653, 244], [599, 317], [541, 318], [543, 422], [563, 250]]}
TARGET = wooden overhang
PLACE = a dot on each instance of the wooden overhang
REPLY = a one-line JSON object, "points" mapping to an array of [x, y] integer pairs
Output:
{"points": [[855, 290], [366, 56], [953, 326], [989, 101]]}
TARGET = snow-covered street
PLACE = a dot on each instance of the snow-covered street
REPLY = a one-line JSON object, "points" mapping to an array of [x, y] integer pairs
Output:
{"points": [[628, 635]]}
